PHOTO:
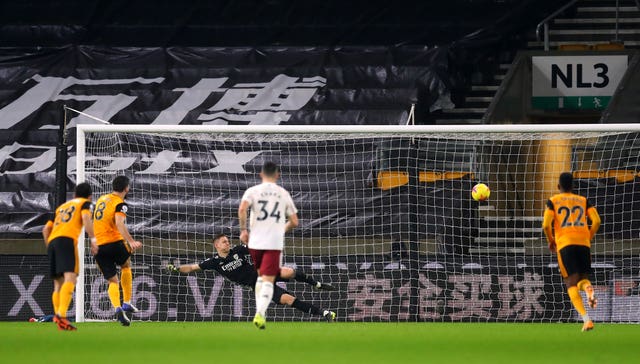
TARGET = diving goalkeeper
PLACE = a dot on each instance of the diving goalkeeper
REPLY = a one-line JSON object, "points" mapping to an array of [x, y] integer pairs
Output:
{"points": [[236, 265]]}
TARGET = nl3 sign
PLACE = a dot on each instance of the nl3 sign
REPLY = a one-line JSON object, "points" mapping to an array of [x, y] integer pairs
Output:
{"points": [[575, 82]]}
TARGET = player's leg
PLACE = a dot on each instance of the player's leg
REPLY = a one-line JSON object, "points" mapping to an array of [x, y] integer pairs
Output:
{"points": [[126, 281], [67, 268], [269, 269], [300, 276], [576, 300], [285, 298], [66, 294], [57, 279], [55, 297], [570, 268], [256, 257], [568, 264], [584, 284], [582, 261], [259, 319], [264, 298], [106, 261], [114, 297]]}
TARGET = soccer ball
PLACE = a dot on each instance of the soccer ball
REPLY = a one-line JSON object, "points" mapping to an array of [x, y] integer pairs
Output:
{"points": [[480, 192]]}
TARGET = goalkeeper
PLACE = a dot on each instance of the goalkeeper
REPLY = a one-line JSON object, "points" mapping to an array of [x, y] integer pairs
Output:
{"points": [[236, 265]]}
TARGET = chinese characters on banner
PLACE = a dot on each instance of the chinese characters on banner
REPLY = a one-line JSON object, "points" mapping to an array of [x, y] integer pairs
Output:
{"points": [[363, 294], [459, 297]]}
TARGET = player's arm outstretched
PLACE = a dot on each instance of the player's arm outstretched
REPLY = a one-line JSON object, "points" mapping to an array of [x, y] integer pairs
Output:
{"points": [[184, 269]]}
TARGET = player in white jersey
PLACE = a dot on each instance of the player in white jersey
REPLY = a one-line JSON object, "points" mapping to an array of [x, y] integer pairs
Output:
{"points": [[273, 213]]}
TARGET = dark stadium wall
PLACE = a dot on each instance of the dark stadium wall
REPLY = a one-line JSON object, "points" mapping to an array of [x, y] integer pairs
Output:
{"points": [[362, 63], [257, 23]]}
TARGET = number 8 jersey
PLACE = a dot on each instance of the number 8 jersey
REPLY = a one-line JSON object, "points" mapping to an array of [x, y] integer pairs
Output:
{"points": [[570, 219], [104, 218], [270, 205]]}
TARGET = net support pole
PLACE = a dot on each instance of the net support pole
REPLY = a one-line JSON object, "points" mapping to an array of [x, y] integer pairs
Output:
{"points": [[413, 236], [80, 286], [61, 164]]}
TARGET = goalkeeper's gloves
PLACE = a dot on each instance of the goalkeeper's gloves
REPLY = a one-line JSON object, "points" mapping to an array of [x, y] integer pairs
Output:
{"points": [[173, 269]]}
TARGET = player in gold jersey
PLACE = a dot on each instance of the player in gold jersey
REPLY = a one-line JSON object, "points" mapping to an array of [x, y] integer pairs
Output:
{"points": [[114, 246], [61, 237], [569, 235]]}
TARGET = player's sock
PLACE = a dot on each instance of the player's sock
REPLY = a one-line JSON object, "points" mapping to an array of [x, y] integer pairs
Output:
{"points": [[66, 293], [306, 307], [266, 294], [126, 281], [302, 277], [55, 299], [576, 300], [583, 284], [257, 289], [114, 294]]}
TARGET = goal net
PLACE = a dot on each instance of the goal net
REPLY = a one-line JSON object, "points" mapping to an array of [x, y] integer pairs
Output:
{"points": [[386, 216]]}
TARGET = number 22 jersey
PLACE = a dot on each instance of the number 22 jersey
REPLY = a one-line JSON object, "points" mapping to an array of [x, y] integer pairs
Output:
{"points": [[570, 221]]}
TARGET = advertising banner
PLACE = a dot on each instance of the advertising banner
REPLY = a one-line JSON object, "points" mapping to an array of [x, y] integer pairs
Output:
{"points": [[373, 289]]}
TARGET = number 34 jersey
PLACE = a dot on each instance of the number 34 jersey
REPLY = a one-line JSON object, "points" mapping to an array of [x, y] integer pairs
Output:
{"points": [[104, 218], [270, 205], [570, 221]]}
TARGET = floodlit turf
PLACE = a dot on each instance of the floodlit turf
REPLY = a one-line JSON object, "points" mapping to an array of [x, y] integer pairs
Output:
{"points": [[220, 342]]}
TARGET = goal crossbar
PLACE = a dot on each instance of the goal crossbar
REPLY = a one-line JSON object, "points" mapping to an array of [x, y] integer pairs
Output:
{"points": [[352, 129]]}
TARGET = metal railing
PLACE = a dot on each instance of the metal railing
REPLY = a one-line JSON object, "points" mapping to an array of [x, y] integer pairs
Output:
{"points": [[545, 23]]}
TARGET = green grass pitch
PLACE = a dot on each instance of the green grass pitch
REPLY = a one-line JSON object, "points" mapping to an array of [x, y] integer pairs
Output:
{"points": [[304, 342]]}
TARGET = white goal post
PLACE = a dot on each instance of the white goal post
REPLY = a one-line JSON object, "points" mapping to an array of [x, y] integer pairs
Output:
{"points": [[386, 216]]}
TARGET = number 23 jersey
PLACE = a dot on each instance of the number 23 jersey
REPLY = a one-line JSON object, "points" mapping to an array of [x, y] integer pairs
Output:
{"points": [[67, 220], [270, 205], [570, 221]]}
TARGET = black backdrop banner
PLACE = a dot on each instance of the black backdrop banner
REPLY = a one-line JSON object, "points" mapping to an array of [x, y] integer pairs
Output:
{"points": [[271, 85], [369, 288], [311, 85]]}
